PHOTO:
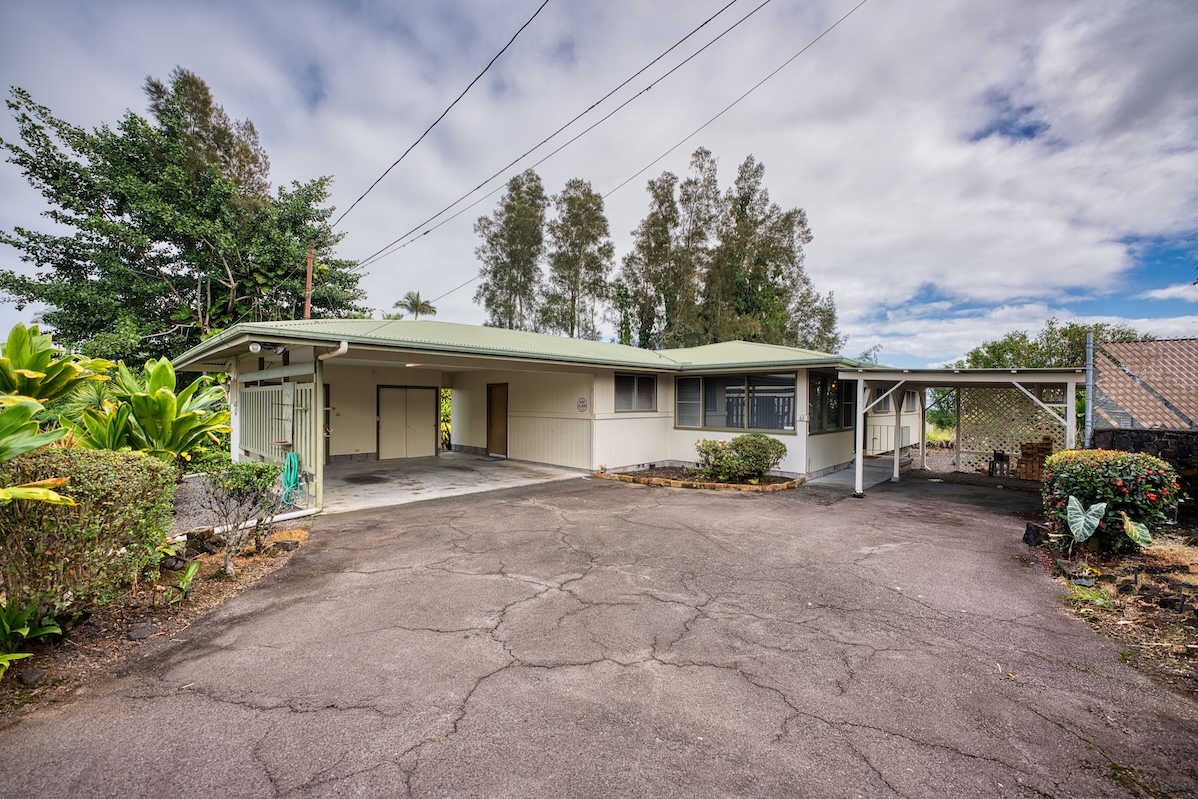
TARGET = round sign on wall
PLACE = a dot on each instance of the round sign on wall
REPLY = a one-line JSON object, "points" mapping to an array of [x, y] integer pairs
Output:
{"points": [[582, 404]]}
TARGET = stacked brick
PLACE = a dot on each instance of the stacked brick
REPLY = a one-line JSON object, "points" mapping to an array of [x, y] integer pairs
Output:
{"points": [[1032, 455]]}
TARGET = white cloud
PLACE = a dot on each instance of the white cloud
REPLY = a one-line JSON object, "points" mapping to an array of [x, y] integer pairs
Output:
{"points": [[1178, 291]]}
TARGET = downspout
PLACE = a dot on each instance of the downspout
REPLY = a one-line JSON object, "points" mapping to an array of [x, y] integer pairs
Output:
{"points": [[318, 418], [1089, 437]]}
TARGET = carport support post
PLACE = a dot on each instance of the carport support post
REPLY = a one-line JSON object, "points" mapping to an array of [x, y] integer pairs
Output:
{"points": [[318, 431], [923, 428], [859, 463], [957, 443], [1071, 414], [897, 402]]}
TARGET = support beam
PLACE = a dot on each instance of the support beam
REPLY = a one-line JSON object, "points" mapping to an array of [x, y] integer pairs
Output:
{"points": [[897, 402], [957, 443], [923, 428], [859, 432], [318, 431], [1071, 415]]}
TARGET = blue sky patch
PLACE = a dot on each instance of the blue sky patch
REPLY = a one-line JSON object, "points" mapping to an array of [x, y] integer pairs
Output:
{"points": [[1010, 121]]}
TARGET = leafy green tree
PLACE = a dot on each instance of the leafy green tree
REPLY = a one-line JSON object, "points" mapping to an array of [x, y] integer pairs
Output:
{"points": [[580, 259], [513, 244], [707, 267], [1057, 346], [412, 303], [170, 232]]}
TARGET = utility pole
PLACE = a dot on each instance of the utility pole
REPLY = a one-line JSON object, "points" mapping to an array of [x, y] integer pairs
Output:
{"points": [[308, 285]]}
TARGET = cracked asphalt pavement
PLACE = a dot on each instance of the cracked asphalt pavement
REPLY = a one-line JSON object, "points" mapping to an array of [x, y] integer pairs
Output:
{"points": [[594, 639]]}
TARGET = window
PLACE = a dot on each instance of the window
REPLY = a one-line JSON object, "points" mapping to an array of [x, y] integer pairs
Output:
{"points": [[735, 402], [636, 393], [910, 402], [831, 402], [688, 402], [883, 405]]}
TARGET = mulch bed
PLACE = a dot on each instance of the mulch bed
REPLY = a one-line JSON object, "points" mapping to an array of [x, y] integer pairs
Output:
{"points": [[99, 643], [1138, 603], [682, 477]]}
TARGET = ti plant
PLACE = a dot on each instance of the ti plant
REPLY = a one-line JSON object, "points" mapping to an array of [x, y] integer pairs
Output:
{"points": [[183, 582], [19, 434], [17, 627]]}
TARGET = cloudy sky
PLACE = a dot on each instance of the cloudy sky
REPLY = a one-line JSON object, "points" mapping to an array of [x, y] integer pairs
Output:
{"points": [[968, 168]]}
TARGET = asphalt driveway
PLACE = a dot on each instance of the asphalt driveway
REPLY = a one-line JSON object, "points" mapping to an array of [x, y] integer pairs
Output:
{"points": [[589, 638]]}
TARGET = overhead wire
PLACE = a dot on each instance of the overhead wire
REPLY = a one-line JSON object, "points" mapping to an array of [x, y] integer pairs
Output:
{"points": [[387, 250], [412, 146], [682, 141]]}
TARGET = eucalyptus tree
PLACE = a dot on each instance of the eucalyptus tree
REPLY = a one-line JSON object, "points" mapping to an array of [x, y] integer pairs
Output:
{"points": [[580, 259], [513, 245]]}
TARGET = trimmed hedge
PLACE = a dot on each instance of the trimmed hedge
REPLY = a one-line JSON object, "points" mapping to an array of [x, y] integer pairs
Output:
{"points": [[744, 459], [69, 558], [1143, 487]]}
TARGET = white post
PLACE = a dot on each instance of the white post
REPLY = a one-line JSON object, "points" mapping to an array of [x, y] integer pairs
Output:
{"points": [[234, 411], [923, 427], [859, 462], [957, 443], [897, 401], [318, 431]]}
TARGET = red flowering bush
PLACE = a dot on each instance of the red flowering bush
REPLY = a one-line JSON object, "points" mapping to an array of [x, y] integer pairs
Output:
{"points": [[1143, 487]]}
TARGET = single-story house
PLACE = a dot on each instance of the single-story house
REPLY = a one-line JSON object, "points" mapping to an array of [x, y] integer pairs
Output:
{"points": [[336, 390]]}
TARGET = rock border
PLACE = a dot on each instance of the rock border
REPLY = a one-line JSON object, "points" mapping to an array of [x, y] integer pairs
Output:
{"points": [[663, 481]]}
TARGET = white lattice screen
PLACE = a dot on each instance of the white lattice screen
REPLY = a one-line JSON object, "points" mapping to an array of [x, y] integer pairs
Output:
{"points": [[1002, 420]]}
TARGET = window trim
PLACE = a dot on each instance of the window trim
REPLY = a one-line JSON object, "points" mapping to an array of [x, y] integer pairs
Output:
{"points": [[844, 388]]}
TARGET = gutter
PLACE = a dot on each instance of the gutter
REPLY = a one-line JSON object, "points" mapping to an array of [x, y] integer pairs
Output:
{"points": [[337, 353]]}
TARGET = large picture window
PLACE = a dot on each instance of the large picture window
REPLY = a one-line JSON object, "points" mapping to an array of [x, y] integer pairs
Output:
{"points": [[636, 393], [831, 403], [735, 402]]}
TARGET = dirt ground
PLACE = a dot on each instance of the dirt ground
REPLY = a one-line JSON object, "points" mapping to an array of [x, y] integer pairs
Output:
{"points": [[99, 643]]}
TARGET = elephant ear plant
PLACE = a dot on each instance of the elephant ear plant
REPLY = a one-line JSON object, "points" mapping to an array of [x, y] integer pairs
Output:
{"points": [[1082, 522]]}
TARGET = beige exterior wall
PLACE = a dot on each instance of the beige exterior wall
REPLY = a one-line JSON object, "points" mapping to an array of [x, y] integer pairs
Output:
{"points": [[828, 450], [630, 438], [353, 403], [544, 423]]}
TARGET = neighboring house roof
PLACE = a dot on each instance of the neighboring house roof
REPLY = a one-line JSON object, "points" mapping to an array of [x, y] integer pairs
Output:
{"points": [[459, 339], [1154, 382]]}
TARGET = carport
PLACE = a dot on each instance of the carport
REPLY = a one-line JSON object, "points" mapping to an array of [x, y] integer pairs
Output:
{"points": [[996, 409]]}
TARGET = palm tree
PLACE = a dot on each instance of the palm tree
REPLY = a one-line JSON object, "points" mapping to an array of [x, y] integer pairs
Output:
{"points": [[412, 303]]}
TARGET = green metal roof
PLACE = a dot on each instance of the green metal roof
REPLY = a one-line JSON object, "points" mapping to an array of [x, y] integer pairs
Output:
{"points": [[459, 339]]}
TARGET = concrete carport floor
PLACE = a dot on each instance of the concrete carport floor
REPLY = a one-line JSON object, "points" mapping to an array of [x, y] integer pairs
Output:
{"points": [[599, 639], [376, 484]]}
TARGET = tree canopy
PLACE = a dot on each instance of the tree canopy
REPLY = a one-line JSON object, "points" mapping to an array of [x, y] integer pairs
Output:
{"points": [[412, 303], [707, 267], [1057, 346], [513, 243], [171, 232]]}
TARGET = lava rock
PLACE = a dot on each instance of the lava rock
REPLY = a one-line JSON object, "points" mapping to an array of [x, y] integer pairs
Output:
{"points": [[30, 677], [1036, 535], [285, 545], [142, 631]]}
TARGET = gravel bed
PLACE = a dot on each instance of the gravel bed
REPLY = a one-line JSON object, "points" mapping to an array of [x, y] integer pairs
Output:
{"points": [[191, 510]]}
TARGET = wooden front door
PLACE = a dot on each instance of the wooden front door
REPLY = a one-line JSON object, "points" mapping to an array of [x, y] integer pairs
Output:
{"points": [[497, 419]]}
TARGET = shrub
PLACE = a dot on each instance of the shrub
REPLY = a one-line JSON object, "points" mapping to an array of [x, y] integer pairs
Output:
{"points": [[1143, 487], [744, 459], [60, 558], [242, 493]]}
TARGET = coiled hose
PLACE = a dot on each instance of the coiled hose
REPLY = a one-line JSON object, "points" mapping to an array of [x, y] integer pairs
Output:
{"points": [[291, 480]]}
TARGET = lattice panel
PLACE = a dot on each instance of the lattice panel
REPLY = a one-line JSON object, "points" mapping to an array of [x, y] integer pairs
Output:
{"points": [[1003, 420]]}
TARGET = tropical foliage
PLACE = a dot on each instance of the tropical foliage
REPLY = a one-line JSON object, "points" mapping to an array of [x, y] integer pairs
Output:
{"points": [[68, 558], [164, 229], [412, 303], [744, 459], [1138, 485]]}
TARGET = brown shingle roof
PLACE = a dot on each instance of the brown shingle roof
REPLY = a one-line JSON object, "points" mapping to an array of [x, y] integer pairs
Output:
{"points": [[1158, 382]]}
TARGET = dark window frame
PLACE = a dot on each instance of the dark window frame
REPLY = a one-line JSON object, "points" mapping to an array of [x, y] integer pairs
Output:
{"points": [[756, 402], [637, 381]]}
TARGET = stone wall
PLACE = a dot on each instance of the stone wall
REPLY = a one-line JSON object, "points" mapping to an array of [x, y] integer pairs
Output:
{"points": [[1178, 447]]}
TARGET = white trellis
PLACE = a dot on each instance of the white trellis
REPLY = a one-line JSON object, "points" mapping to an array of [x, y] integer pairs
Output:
{"points": [[997, 419]]}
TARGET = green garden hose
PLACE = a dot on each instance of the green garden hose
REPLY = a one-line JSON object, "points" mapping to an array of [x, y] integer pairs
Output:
{"points": [[291, 480]]}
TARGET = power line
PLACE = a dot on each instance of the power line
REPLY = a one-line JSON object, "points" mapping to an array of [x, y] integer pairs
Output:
{"points": [[412, 146], [387, 250], [729, 107], [689, 136]]}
